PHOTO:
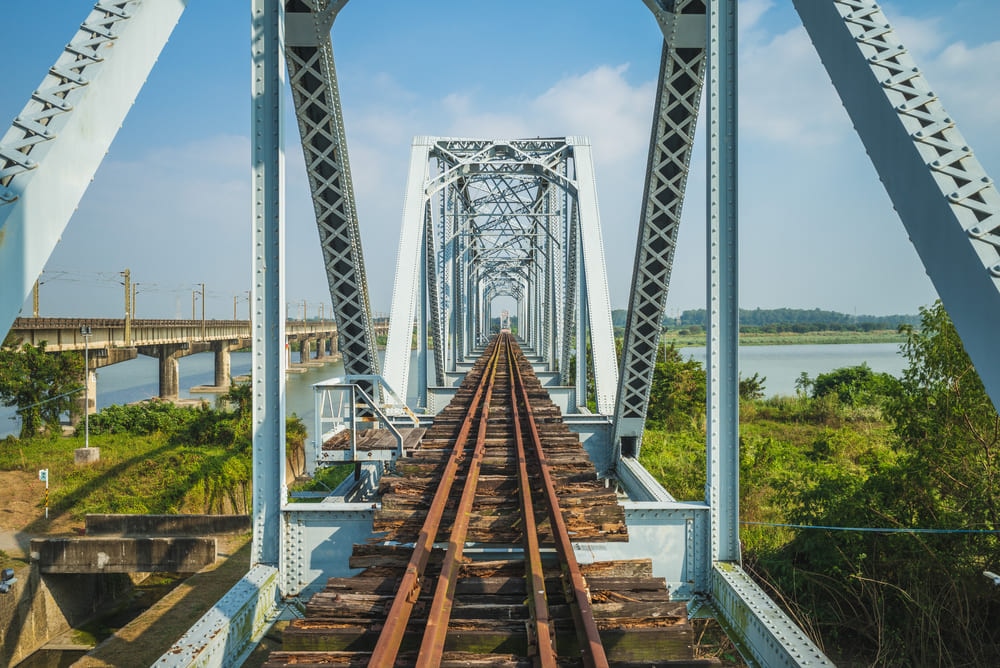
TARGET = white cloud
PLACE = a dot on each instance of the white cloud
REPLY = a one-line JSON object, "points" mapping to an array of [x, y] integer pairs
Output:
{"points": [[750, 14], [786, 95], [602, 104]]}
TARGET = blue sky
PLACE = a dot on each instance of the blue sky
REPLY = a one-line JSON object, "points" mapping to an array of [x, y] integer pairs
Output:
{"points": [[172, 203]]}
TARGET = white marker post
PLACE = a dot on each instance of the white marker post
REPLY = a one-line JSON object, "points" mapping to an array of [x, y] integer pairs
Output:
{"points": [[43, 475]]}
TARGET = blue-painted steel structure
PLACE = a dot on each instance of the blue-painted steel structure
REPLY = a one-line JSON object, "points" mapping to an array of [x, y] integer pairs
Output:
{"points": [[512, 218]]}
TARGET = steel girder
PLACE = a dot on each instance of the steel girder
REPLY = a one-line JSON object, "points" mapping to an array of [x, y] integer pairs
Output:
{"points": [[722, 421], [431, 272], [569, 310], [602, 334], [946, 201], [406, 285], [53, 149], [682, 73], [313, 77]]}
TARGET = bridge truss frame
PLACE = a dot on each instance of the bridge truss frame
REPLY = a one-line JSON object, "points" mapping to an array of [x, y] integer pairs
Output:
{"points": [[489, 218]]}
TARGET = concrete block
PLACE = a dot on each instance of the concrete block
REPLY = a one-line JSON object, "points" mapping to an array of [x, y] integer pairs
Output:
{"points": [[83, 456], [122, 555], [166, 525]]}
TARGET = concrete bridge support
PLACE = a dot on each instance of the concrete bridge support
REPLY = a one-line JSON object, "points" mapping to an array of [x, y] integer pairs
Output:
{"points": [[98, 358], [168, 354], [305, 351], [223, 363]]}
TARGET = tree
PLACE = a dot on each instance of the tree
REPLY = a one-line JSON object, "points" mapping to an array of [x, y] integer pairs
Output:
{"points": [[908, 598], [945, 419], [854, 385], [677, 394], [41, 384]]}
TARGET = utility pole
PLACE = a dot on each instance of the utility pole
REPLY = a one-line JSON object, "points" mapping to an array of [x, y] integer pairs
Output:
{"points": [[194, 293], [134, 286], [34, 300], [85, 332], [128, 306], [305, 310], [235, 299], [202, 311]]}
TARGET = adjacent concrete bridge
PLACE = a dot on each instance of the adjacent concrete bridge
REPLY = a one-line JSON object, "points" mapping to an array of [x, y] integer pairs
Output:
{"points": [[118, 340]]}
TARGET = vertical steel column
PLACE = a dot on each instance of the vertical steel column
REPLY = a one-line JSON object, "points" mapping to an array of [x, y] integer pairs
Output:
{"points": [[723, 457], [594, 276], [572, 301], [556, 229], [268, 295], [426, 258], [451, 275], [555, 270], [404, 290], [434, 291], [581, 327]]}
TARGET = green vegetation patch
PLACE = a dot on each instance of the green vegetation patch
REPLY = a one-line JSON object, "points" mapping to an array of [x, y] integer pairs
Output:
{"points": [[155, 458], [900, 478]]}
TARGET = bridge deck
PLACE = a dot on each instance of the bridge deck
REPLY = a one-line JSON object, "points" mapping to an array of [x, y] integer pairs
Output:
{"points": [[492, 611]]}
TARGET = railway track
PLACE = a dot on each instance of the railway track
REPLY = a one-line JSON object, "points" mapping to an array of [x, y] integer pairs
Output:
{"points": [[474, 563]]}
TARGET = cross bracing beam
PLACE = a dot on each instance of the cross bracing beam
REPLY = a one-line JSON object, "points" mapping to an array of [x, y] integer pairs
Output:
{"points": [[948, 204], [53, 149], [313, 77], [682, 73]]}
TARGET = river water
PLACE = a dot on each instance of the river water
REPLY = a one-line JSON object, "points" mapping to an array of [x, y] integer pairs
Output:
{"points": [[780, 365]]}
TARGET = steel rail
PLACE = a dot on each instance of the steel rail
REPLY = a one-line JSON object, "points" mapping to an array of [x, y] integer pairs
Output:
{"points": [[391, 636], [591, 648], [436, 629], [534, 580]]}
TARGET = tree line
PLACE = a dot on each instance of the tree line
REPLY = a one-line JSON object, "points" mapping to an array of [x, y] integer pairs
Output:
{"points": [[786, 320]]}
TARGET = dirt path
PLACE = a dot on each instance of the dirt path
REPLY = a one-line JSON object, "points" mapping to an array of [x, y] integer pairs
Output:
{"points": [[22, 505]]}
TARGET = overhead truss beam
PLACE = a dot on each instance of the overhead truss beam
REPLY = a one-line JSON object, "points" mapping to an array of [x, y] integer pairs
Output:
{"points": [[50, 154], [948, 204], [678, 97], [313, 77]]}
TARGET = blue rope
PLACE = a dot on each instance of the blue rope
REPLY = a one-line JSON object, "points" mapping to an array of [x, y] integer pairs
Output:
{"points": [[871, 529]]}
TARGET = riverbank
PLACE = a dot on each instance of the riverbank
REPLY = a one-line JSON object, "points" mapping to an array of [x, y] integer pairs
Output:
{"points": [[790, 338]]}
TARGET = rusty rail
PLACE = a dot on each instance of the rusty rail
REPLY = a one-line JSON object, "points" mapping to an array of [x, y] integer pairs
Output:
{"points": [[391, 637], [526, 439], [590, 640], [534, 576]]}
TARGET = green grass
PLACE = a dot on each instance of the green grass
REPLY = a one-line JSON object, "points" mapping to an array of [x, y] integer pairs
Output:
{"points": [[136, 474]]}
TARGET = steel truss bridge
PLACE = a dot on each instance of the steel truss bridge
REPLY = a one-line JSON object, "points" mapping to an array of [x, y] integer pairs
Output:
{"points": [[514, 218]]}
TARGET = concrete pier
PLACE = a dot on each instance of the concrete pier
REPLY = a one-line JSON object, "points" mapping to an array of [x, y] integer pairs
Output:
{"points": [[99, 358], [168, 354]]}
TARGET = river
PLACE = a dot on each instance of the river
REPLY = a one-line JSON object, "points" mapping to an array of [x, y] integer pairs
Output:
{"points": [[781, 365]]}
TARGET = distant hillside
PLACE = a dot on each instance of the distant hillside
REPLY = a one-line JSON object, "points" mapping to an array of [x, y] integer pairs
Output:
{"points": [[784, 319]]}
